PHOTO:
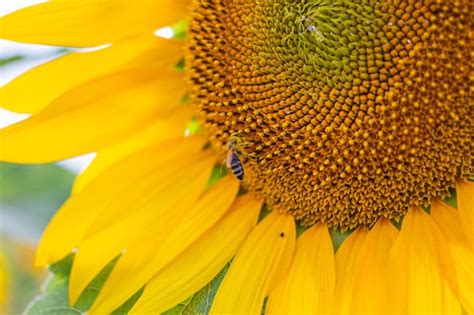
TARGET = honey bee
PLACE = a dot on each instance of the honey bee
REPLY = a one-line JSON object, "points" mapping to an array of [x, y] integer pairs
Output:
{"points": [[233, 162]]}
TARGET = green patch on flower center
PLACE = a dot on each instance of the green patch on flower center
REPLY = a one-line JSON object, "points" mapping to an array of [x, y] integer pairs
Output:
{"points": [[345, 111]]}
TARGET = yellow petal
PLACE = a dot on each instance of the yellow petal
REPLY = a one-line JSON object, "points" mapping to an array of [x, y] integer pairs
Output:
{"points": [[144, 212], [465, 200], [171, 127], [421, 269], [449, 223], [73, 219], [202, 261], [172, 232], [48, 81], [93, 116], [260, 264], [85, 23], [346, 259], [4, 285], [370, 292], [192, 166], [309, 286]]}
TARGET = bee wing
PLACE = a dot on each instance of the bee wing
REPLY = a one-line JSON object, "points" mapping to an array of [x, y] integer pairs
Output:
{"points": [[228, 159]]}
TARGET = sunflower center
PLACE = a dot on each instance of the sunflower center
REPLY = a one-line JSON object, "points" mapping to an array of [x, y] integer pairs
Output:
{"points": [[341, 111]]}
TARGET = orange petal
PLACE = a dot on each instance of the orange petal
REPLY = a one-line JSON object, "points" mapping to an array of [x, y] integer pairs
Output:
{"points": [[260, 264], [421, 269], [172, 233], [86, 23], [202, 261], [50, 80], [93, 116], [346, 260], [461, 247], [309, 286]]}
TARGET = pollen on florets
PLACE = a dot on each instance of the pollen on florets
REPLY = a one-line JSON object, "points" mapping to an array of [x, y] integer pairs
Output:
{"points": [[349, 110]]}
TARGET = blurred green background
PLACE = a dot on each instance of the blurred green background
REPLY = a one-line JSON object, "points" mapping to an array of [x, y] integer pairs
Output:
{"points": [[29, 196]]}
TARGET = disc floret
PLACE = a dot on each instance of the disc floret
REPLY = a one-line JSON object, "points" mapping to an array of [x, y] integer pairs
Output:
{"points": [[350, 111]]}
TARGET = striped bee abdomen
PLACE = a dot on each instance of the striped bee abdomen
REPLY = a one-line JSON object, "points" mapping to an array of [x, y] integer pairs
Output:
{"points": [[236, 166]]}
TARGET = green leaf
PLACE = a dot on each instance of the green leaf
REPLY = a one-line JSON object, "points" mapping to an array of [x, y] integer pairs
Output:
{"points": [[338, 237], [179, 29], [194, 126], [451, 199], [127, 305], [178, 309], [54, 298], [91, 292], [218, 172], [201, 301]]}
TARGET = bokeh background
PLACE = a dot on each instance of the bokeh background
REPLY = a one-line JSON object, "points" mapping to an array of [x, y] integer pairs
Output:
{"points": [[29, 194]]}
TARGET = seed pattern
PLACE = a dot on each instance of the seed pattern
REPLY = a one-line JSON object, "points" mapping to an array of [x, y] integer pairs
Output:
{"points": [[349, 110]]}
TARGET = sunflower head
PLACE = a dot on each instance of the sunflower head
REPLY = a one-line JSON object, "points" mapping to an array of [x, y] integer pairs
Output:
{"points": [[349, 111]]}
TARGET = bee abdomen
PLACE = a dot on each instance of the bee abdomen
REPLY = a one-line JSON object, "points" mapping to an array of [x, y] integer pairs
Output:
{"points": [[236, 167]]}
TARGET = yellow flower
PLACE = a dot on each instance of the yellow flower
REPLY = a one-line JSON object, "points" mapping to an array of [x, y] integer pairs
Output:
{"points": [[344, 114]]}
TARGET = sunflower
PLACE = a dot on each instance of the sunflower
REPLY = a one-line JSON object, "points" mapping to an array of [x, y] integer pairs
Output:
{"points": [[344, 116]]}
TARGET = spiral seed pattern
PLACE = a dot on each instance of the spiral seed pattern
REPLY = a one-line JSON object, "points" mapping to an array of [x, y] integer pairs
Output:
{"points": [[345, 111]]}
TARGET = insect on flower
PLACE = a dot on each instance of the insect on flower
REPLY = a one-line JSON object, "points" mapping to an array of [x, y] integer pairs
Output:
{"points": [[233, 162]]}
